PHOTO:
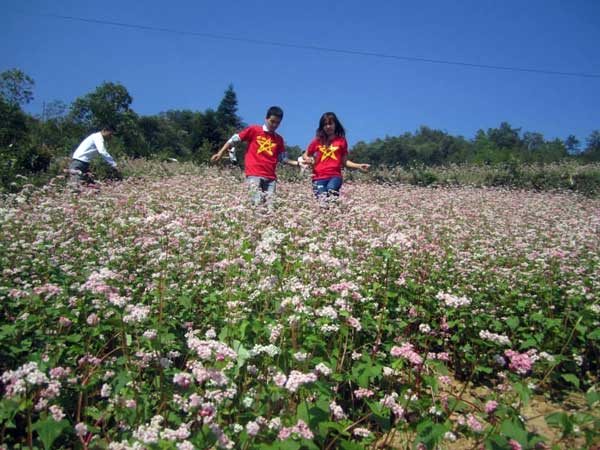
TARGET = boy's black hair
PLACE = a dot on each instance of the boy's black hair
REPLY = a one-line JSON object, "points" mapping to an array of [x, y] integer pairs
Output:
{"points": [[109, 127], [275, 111]]}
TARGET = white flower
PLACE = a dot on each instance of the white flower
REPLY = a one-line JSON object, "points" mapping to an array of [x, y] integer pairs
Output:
{"points": [[323, 369], [493, 337], [300, 356], [450, 436], [424, 328], [106, 390]]}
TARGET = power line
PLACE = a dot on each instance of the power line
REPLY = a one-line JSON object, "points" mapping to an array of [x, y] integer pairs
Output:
{"points": [[316, 48]]}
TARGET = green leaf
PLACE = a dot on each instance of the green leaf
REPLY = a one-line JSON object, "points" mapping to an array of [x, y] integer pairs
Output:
{"points": [[8, 409], [242, 354], [496, 442], [302, 412], [325, 426], [289, 444], [483, 369], [560, 420], [49, 429], [512, 322], [592, 397], [349, 445], [310, 445], [594, 335], [429, 433], [569, 377], [523, 391], [514, 430]]}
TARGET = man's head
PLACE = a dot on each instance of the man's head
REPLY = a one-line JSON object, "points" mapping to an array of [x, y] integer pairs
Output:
{"points": [[107, 131], [273, 118]]}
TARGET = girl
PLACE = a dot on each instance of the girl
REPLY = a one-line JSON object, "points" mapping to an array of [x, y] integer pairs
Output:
{"points": [[328, 153]]}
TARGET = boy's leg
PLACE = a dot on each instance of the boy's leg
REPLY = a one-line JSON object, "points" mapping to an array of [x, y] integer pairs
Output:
{"points": [[254, 189], [269, 187]]}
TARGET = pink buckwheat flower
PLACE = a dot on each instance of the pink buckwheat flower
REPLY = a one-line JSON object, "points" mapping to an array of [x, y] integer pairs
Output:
{"points": [[93, 319], [280, 379], [407, 351], [361, 432], [491, 406], [363, 393], [514, 445], [518, 362], [337, 411], [57, 413], [81, 429], [354, 323], [252, 428], [296, 379], [182, 379], [474, 424]]}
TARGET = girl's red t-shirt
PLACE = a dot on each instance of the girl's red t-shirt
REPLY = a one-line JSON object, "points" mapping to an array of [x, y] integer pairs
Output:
{"points": [[329, 159], [263, 151]]}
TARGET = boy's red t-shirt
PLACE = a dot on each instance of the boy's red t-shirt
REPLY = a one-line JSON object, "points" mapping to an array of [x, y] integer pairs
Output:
{"points": [[263, 151], [328, 158]]}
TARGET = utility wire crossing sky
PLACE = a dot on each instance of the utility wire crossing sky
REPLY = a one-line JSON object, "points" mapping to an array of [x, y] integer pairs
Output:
{"points": [[385, 68], [317, 48]]}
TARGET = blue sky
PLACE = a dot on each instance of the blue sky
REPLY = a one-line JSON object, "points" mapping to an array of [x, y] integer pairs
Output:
{"points": [[374, 97]]}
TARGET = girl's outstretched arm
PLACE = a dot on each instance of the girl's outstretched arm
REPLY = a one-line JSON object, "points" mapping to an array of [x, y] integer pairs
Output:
{"points": [[352, 165]]}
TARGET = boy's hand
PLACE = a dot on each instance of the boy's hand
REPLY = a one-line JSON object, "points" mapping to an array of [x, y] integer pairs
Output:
{"points": [[217, 156], [364, 167], [310, 161], [302, 163]]}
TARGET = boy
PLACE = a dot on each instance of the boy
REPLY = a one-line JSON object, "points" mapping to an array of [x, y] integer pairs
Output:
{"points": [[90, 147], [265, 150]]}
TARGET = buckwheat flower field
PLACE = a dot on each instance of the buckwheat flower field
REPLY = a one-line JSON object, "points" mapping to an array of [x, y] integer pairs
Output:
{"points": [[166, 313]]}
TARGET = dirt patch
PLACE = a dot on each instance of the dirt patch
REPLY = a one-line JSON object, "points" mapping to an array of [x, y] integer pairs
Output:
{"points": [[534, 413]]}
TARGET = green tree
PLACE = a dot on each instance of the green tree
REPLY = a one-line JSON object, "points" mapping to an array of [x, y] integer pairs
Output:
{"points": [[108, 104], [206, 135], [484, 149], [227, 112], [572, 144], [13, 124], [16, 87], [592, 150], [533, 141], [505, 136], [163, 138]]}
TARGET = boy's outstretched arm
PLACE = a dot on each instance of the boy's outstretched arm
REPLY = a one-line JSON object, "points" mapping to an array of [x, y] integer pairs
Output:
{"points": [[217, 156], [291, 162]]}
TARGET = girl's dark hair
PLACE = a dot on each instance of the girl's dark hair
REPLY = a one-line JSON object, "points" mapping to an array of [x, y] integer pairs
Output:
{"points": [[339, 128], [275, 111]]}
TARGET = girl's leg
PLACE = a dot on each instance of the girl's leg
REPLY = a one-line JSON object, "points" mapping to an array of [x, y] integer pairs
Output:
{"points": [[333, 188], [320, 189]]}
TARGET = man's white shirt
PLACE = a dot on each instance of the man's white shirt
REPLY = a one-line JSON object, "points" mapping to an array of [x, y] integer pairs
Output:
{"points": [[90, 147]]}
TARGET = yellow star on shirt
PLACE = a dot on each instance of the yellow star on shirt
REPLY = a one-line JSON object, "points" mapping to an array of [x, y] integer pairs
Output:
{"points": [[328, 152], [265, 145]]}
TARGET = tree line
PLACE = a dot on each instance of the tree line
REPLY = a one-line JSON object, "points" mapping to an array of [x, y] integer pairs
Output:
{"points": [[33, 144]]}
